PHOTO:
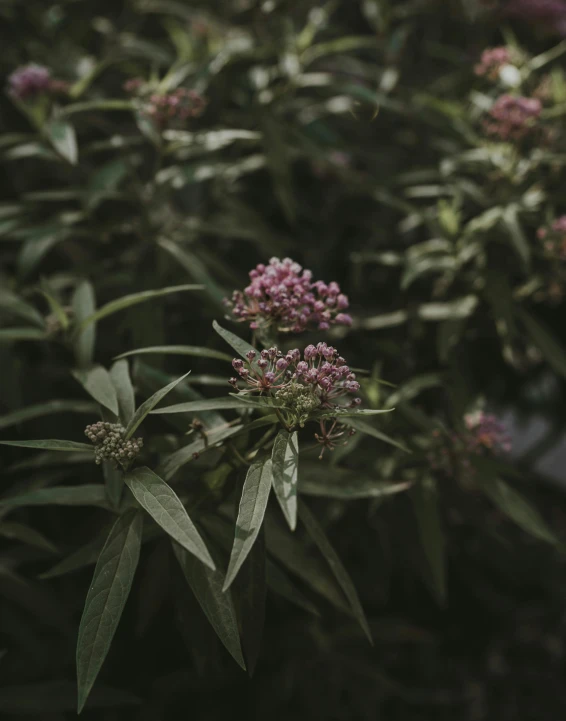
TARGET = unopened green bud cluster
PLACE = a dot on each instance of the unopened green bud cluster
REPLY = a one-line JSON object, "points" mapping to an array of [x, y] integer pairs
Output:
{"points": [[110, 443], [299, 399]]}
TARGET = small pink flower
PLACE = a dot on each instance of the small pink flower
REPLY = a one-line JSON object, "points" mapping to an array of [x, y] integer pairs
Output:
{"points": [[512, 117], [29, 81], [491, 62]]}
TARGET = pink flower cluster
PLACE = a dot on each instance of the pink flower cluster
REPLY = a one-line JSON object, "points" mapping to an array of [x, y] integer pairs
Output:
{"points": [[551, 14], [513, 117], [555, 237], [283, 295], [321, 370], [181, 104], [29, 81], [491, 62], [485, 434]]}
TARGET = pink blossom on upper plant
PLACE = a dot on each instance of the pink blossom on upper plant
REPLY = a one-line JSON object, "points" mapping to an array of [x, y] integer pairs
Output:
{"points": [[492, 60], [555, 237], [283, 295], [512, 117], [551, 14], [29, 81], [179, 105]]}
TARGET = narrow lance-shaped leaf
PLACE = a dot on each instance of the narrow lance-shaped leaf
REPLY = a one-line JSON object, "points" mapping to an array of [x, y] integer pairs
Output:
{"points": [[45, 409], [285, 469], [253, 503], [87, 495], [189, 350], [164, 506], [148, 405], [50, 445], [84, 305], [113, 483], [107, 596], [63, 138], [342, 576], [359, 425], [252, 591], [120, 377], [425, 502], [239, 345], [217, 404], [97, 383], [129, 300], [217, 606]]}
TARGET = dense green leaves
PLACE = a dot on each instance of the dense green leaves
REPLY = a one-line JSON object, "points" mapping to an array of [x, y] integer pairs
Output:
{"points": [[285, 470], [253, 504], [164, 506], [105, 601]]}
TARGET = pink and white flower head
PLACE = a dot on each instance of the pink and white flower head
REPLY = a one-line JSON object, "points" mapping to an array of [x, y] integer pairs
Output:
{"points": [[284, 296], [29, 81], [491, 62], [513, 117], [180, 105], [486, 434]]}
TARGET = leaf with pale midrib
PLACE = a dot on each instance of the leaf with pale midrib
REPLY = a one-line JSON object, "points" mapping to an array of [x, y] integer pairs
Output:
{"points": [[148, 405], [285, 459], [109, 590], [253, 503], [97, 383], [120, 377]]}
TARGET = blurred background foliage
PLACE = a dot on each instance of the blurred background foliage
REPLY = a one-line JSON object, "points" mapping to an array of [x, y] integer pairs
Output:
{"points": [[350, 135]]}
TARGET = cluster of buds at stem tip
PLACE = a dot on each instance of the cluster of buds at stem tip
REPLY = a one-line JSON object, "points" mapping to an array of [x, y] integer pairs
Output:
{"points": [[30, 81], [492, 61], [283, 297], [110, 443]]}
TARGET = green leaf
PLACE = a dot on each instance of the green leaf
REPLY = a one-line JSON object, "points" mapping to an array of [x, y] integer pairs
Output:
{"points": [[185, 454], [280, 583], [285, 469], [209, 404], [251, 596], [11, 334], [351, 413], [25, 534], [510, 218], [239, 345], [253, 503], [148, 405], [120, 377], [216, 605], [50, 445], [545, 342], [363, 427], [315, 531], [97, 383], [62, 136], [425, 502], [87, 495], [11, 303], [86, 555], [164, 506], [57, 310], [190, 350], [107, 596], [114, 483], [45, 409], [127, 301], [317, 479], [84, 305]]}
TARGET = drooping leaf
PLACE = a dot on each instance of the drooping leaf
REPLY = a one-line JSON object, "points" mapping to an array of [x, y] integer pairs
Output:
{"points": [[97, 383], [280, 583], [30, 536], [50, 445], [164, 506], [425, 502], [63, 138], [86, 555], [87, 495], [107, 596], [189, 350], [317, 479], [217, 606], [84, 305], [253, 503], [120, 377], [285, 470], [148, 405], [320, 539], [127, 301], [45, 409], [359, 425]]}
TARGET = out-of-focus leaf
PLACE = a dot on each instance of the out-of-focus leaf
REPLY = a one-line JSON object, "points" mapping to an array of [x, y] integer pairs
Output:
{"points": [[84, 305], [148, 405], [105, 601], [280, 583], [363, 427], [57, 697], [127, 301], [210, 404], [46, 409], [285, 473], [251, 597], [120, 377], [216, 605], [189, 350], [36, 248], [164, 506], [50, 445], [552, 351], [114, 483], [13, 334], [510, 219], [317, 479], [13, 304], [178, 459], [278, 161], [20, 532], [62, 136], [317, 534], [86, 555], [425, 503], [87, 495], [97, 383], [253, 503]]}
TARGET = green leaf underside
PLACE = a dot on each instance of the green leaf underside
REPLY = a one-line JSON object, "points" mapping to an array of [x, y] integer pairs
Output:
{"points": [[148, 405], [164, 506], [321, 541], [285, 468], [120, 377], [87, 495], [97, 383], [251, 512], [425, 503], [129, 300], [217, 605], [189, 350], [106, 598], [50, 445]]}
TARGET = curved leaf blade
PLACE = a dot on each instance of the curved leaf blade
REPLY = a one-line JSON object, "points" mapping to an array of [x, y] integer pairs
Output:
{"points": [[164, 506], [105, 601], [84, 305], [209, 404], [87, 495], [97, 383], [253, 504], [120, 377], [148, 405], [50, 445], [189, 350], [285, 470], [45, 409]]}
